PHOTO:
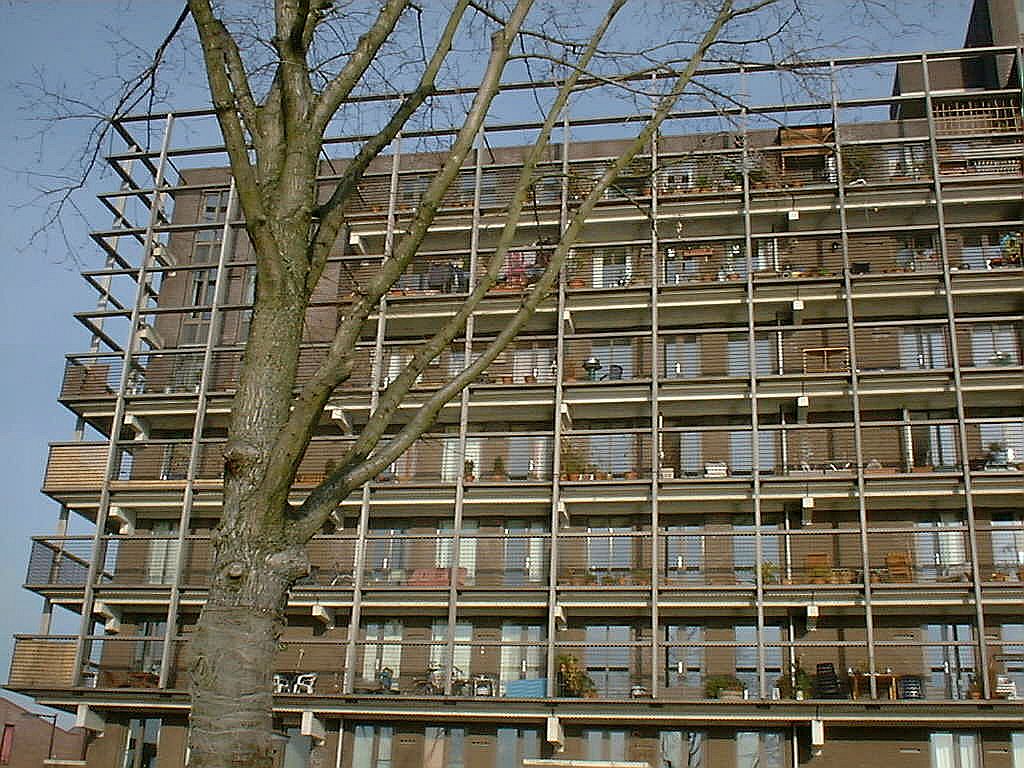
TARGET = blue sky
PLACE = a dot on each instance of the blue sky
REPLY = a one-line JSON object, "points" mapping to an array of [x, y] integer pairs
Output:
{"points": [[71, 41]]}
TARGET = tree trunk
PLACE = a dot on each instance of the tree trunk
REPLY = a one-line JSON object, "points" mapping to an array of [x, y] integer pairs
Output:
{"points": [[232, 657]]}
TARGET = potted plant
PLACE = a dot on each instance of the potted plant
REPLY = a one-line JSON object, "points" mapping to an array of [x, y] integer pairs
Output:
{"points": [[997, 453], [573, 680], [974, 688], [799, 686], [723, 687], [467, 471], [571, 460], [632, 474], [769, 572], [498, 469]]}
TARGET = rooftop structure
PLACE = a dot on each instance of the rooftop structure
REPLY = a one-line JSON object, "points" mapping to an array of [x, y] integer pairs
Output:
{"points": [[747, 489]]}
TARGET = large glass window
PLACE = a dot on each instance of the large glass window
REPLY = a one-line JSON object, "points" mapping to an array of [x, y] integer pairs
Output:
{"points": [[942, 554], [746, 655], [682, 357], [1017, 737], [525, 554], [445, 548], [607, 658], [604, 744], [516, 745], [922, 348], [141, 745], [684, 553], [956, 749], [760, 749], [684, 665], [383, 649], [385, 556], [950, 665], [444, 747], [608, 555], [463, 647], [744, 549], [522, 658], [994, 344], [682, 749], [372, 746]]}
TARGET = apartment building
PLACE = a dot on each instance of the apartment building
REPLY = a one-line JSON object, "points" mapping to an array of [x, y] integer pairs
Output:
{"points": [[746, 492]]}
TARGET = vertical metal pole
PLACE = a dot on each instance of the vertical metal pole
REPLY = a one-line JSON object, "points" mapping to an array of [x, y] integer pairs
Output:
{"points": [[655, 438], [851, 340], [227, 244], [460, 486], [358, 566], [755, 456], [557, 426], [965, 472], [83, 646]]}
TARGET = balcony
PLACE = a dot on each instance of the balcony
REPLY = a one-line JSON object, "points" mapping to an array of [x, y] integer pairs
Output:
{"points": [[423, 562]]}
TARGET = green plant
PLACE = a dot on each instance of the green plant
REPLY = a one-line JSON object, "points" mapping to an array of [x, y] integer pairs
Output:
{"points": [[800, 681], [769, 571], [498, 467], [467, 469], [715, 684], [573, 459], [573, 679]]}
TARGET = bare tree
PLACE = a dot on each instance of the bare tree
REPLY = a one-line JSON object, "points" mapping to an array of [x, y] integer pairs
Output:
{"points": [[278, 85]]}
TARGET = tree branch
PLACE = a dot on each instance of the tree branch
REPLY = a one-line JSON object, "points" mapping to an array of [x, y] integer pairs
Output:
{"points": [[333, 95], [332, 213], [308, 407], [323, 498]]}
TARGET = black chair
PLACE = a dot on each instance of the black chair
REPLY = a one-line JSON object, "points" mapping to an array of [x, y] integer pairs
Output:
{"points": [[909, 687], [826, 682]]}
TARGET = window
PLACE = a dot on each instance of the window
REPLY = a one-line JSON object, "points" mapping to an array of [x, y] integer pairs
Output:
{"points": [[385, 556], [444, 747], [746, 655], [141, 745], [463, 647], [6, 744], [445, 548], [942, 554], [616, 356], [148, 653], [613, 268], [922, 348], [1017, 737], [739, 361], [744, 549], [372, 746], [383, 649], [162, 555], [522, 658], [684, 553], [684, 665], [741, 450], [604, 744], [1008, 541], [679, 268], [760, 749], [610, 550], [1013, 652], [525, 552], [608, 660], [994, 344], [1002, 443], [934, 445], [682, 357], [949, 659], [954, 749], [296, 749], [516, 745], [682, 749]]}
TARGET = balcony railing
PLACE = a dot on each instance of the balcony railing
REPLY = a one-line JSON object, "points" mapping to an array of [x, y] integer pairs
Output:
{"points": [[607, 358], [621, 455], [395, 559]]}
